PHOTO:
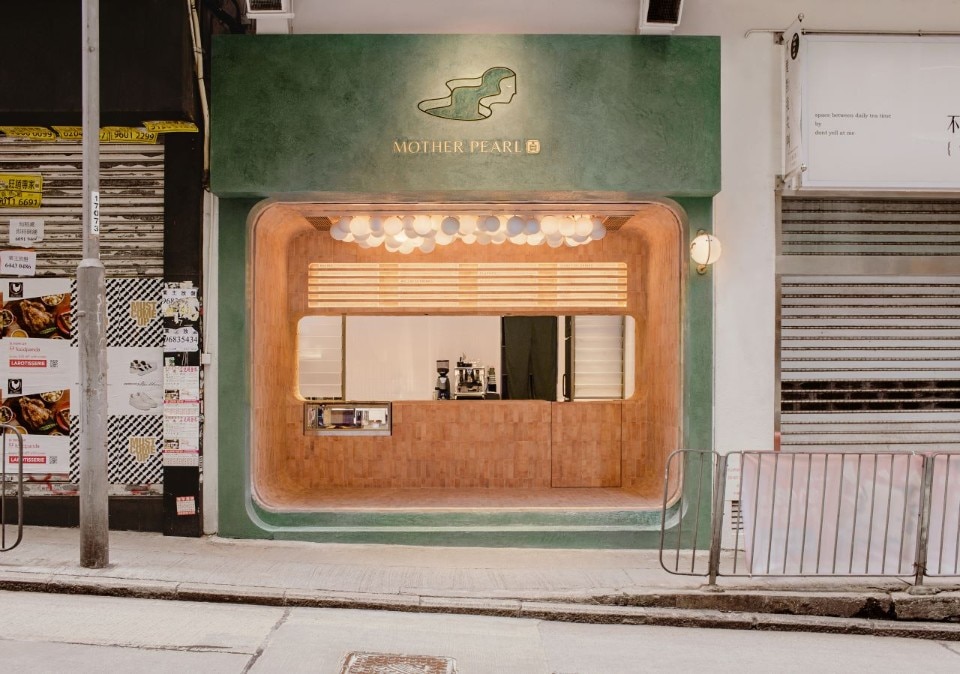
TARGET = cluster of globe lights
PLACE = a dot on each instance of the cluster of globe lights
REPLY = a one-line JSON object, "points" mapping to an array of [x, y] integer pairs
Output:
{"points": [[405, 234]]}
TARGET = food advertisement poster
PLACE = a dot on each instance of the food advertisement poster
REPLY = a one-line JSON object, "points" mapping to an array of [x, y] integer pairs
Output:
{"points": [[36, 308], [38, 369]]}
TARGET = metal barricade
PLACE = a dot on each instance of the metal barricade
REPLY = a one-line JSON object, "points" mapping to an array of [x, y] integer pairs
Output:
{"points": [[689, 534], [827, 513], [5, 431], [942, 552], [889, 514]]}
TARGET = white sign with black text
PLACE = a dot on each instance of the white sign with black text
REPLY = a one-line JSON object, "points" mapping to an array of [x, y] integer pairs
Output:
{"points": [[876, 112], [24, 231]]}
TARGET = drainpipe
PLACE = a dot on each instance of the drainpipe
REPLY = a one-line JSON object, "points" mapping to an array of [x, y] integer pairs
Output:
{"points": [[201, 86]]}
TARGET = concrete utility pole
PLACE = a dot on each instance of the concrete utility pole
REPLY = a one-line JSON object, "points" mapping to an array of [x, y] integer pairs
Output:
{"points": [[92, 316]]}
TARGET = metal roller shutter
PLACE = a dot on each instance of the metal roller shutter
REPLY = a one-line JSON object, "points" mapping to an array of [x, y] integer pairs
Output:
{"points": [[131, 192], [870, 361]]}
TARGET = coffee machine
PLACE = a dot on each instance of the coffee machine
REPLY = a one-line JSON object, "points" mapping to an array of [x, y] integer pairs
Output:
{"points": [[442, 388]]}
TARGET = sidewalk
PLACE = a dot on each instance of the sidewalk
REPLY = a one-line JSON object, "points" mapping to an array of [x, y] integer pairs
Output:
{"points": [[623, 586]]}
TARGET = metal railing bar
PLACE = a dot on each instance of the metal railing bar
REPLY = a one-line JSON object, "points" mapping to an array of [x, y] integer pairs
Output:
{"points": [[696, 522], [663, 519], [836, 531], [716, 520], [773, 507], [786, 538], [873, 503], [806, 511], [956, 544], [676, 564], [943, 518], [923, 524], [756, 515], [823, 510], [903, 524], [856, 511], [736, 533], [663, 508], [886, 524], [5, 429]]}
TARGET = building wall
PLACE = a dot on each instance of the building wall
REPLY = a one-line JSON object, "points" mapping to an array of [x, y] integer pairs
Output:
{"points": [[744, 211]]}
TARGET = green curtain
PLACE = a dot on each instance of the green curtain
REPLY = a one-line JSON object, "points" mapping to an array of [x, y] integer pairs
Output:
{"points": [[530, 357]]}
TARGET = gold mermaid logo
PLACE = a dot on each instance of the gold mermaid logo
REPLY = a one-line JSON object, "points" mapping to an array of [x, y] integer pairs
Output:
{"points": [[471, 98]]}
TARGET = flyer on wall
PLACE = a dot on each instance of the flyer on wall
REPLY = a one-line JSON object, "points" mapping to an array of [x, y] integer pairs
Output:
{"points": [[38, 373], [135, 381]]}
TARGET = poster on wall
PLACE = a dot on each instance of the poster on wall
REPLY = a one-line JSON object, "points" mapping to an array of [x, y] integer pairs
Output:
{"points": [[180, 308], [38, 373], [134, 380], [877, 112]]}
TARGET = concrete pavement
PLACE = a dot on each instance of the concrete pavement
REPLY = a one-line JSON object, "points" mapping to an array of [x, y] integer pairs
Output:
{"points": [[612, 586], [79, 634]]}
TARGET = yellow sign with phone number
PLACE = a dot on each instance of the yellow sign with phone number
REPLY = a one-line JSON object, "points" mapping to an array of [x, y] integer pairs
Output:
{"points": [[21, 190], [29, 132]]}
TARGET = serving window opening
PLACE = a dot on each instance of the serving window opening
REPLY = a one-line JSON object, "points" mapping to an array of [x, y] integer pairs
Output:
{"points": [[562, 361]]}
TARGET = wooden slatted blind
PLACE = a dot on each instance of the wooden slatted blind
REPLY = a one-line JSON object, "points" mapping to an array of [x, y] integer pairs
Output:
{"points": [[495, 286]]}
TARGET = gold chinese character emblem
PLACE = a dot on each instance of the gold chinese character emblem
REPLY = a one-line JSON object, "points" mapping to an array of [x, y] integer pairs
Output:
{"points": [[141, 448], [533, 147], [142, 312]]}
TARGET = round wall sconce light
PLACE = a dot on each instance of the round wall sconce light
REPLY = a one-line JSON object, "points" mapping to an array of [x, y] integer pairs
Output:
{"points": [[704, 250]]}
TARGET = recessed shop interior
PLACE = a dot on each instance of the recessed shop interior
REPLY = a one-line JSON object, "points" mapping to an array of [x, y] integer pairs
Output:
{"points": [[600, 444]]}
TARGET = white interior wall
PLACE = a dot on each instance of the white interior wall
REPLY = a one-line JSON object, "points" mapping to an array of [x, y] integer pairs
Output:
{"points": [[395, 357]]}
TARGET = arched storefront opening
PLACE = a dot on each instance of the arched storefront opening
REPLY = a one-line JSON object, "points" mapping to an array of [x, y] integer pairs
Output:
{"points": [[602, 454]]}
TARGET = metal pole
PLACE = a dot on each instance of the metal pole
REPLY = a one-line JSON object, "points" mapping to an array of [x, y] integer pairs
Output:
{"points": [[716, 525], [923, 530], [92, 316]]}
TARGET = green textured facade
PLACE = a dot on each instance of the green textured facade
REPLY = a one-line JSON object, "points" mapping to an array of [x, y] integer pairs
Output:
{"points": [[331, 118]]}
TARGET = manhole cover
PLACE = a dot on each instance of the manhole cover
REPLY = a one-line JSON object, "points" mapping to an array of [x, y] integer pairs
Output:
{"points": [[391, 663]]}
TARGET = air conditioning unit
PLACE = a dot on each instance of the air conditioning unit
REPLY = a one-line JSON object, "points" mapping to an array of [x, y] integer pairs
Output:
{"points": [[271, 16], [659, 17]]}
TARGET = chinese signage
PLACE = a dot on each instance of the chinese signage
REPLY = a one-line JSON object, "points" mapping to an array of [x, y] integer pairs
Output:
{"points": [[21, 190]]}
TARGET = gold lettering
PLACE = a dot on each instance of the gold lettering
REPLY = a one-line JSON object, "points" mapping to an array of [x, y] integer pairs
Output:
{"points": [[142, 312], [484, 145], [474, 146], [436, 146], [458, 146], [414, 146], [141, 448], [399, 147]]}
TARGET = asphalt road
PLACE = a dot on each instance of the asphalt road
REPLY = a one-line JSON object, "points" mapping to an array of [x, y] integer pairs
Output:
{"points": [[58, 633]]}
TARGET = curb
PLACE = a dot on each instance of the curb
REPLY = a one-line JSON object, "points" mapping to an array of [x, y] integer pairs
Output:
{"points": [[878, 614]]}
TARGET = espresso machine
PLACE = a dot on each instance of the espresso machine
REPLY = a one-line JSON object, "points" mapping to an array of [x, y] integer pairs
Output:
{"points": [[442, 388]]}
